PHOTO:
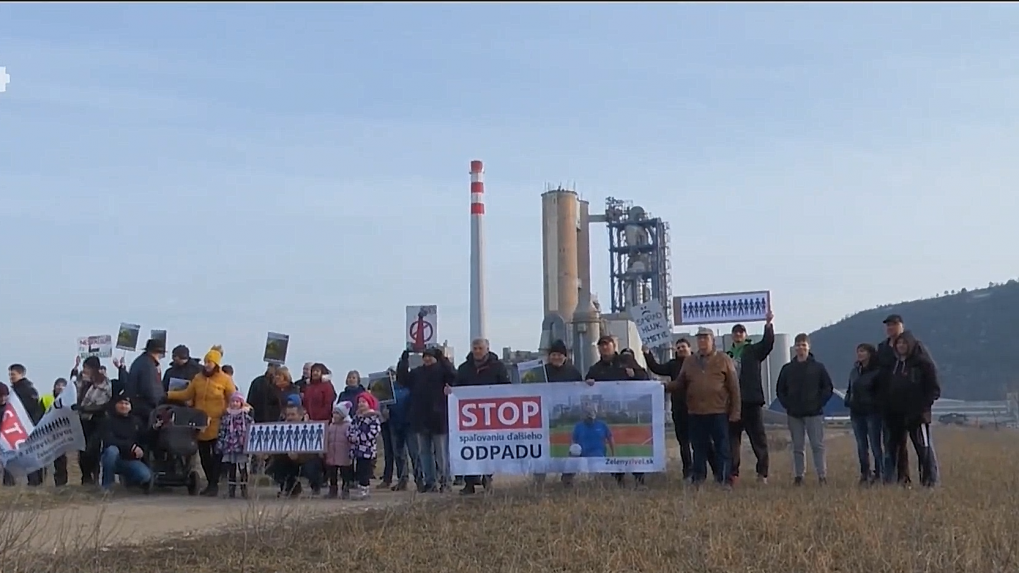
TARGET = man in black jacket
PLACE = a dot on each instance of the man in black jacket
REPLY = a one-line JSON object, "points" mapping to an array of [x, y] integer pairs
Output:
{"points": [[29, 396], [748, 356], [427, 415], [908, 392], [123, 439], [182, 367], [143, 387], [613, 368], [559, 369], [804, 388], [481, 368], [680, 417], [896, 454]]}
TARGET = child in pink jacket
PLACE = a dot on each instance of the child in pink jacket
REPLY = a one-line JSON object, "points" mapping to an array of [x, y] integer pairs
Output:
{"points": [[338, 463]]}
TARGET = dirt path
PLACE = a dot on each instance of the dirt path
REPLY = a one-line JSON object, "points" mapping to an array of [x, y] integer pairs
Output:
{"points": [[132, 519]]}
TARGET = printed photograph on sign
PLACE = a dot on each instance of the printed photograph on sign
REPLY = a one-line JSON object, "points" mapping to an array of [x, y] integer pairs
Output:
{"points": [[127, 336], [178, 384], [597, 426], [159, 335], [532, 371], [752, 306], [100, 346], [652, 324], [276, 348], [380, 384], [286, 438], [422, 327]]}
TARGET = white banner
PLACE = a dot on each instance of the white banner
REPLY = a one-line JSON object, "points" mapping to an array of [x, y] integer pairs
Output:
{"points": [[557, 428], [57, 433]]}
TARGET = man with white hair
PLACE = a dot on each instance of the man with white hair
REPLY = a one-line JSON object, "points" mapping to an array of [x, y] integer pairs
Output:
{"points": [[481, 368]]}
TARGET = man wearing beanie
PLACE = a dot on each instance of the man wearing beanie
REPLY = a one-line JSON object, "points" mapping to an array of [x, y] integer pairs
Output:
{"points": [[182, 366], [557, 368]]}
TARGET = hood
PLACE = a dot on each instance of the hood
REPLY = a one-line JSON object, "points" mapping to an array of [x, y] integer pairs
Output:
{"points": [[871, 366], [910, 344], [810, 357]]}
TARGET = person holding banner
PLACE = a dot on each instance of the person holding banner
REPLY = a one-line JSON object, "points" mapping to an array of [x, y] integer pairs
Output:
{"points": [[557, 369], [611, 367], [94, 394], [59, 464], [26, 392], [481, 368]]}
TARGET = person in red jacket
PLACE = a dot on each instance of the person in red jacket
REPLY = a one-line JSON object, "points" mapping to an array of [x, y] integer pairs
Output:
{"points": [[319, 394]]}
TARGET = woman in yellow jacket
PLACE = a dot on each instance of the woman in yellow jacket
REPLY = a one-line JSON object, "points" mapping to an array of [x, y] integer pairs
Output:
{"points": [[210, 392]]}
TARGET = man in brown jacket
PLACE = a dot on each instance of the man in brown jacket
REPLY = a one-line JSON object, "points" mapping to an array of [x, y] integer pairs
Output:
{"points": [[710, 384]]}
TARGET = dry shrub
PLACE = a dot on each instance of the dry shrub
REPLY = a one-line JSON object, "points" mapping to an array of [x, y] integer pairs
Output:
{"points": [[966, 525]]}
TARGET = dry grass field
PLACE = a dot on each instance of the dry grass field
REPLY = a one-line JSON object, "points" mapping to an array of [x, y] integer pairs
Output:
{"points": [[969, 524]]}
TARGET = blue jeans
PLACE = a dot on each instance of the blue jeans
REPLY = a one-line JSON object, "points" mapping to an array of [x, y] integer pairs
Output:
{"points": [[133, 471], [709, 433], [433, 453], [868, 430], [401, 449]]}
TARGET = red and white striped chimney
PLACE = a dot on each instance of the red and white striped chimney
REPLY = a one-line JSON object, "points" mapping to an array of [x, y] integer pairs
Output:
{"points": [[477, 308]]}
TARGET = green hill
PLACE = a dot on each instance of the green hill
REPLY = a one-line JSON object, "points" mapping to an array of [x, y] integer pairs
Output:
{"points": [[969, 333]]}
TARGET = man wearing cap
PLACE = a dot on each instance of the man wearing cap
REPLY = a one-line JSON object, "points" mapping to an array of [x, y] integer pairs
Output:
{"points": [[747, 357], [896, 455], [143, 386], [182, 367], [710, 385], [613, 368], [559, 369]]}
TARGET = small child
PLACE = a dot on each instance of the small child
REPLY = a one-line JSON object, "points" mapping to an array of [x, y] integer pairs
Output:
{"points": [[363, 434], [288, 468], [337, 456], [232, 443]]}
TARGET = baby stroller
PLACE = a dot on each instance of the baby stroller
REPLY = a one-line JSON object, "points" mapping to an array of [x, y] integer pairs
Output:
{"points": [[175, 445]]}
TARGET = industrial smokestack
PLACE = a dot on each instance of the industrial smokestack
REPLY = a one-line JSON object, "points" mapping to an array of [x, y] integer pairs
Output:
{"points": [[477, 250]]}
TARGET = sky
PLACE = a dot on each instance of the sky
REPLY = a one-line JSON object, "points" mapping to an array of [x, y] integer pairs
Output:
{"points": [[224, 170]]}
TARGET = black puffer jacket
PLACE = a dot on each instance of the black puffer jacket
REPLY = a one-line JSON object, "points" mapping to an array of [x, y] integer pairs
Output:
{"points": [[491, 371], [861, 395], [565, 373], [29, 397], [912, 386], [804, 388]]}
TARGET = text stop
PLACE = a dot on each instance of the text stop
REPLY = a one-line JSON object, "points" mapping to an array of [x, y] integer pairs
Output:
{"points": [[500, 414]]}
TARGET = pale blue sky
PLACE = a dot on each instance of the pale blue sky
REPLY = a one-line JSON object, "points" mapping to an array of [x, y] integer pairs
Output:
{"points": [[224, 170]]}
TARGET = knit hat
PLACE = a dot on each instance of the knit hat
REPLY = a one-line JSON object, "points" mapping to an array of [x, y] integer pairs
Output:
{"points": [[434, 353], [215, 355], [343, 408], [558, 347], [294, 400], [367, 397], [236, 396]]}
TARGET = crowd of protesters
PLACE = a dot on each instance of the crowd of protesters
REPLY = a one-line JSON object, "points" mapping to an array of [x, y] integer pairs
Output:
{"points": [[716, 397]]}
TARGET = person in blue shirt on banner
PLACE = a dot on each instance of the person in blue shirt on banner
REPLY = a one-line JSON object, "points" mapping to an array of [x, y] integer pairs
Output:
{"points": [[593, 436]]}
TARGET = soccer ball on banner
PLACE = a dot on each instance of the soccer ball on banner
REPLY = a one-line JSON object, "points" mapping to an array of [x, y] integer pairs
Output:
{"points": [[576, 450]]}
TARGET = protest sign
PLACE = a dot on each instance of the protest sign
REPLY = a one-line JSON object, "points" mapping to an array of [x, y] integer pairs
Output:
{"points": [[422, 327], [276, 348], [100, 346], [652, 324], [127, 336], [57, 433], [176, 384], [15, 424], [557, 428], [159, 335], [286, 438], [380, 384], [532, 371]]}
